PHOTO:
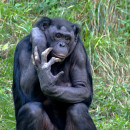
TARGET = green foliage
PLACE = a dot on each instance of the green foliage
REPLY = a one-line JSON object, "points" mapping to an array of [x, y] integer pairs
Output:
{"points": [[105, 32]]}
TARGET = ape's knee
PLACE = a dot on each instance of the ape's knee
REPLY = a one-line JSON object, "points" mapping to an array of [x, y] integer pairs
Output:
{"points": [[30, 116], [31, 110], [78, 114], [78, 110]]}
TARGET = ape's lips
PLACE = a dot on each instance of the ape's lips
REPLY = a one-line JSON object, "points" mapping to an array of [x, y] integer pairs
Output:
{"points": [[61, 56]]}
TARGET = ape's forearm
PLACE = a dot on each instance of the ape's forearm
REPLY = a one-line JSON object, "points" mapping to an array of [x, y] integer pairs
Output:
{"points": [[68, 94]]}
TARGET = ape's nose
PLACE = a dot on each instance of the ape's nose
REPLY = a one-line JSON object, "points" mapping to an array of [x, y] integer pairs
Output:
{"points": [[61, 44]]}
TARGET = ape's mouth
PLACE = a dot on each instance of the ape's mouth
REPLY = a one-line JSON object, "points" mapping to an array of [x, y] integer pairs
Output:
{"points": [[61, 56]]}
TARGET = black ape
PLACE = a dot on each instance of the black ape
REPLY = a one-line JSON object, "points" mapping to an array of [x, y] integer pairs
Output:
{"points": [[44, 97]]}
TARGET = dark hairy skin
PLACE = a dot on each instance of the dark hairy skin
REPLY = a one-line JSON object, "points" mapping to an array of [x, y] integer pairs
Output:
{"points": [[52, 82]]}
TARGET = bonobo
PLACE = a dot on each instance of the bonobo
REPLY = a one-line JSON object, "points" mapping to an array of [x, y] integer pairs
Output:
{"points": [[52, 82]]}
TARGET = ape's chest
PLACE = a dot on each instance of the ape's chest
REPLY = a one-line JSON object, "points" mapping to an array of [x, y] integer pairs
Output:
{"points": [[66, 82], [65, 79]]}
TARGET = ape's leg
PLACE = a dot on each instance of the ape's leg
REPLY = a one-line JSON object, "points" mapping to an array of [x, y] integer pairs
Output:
{"points": [[33, 117], [78, 118]]}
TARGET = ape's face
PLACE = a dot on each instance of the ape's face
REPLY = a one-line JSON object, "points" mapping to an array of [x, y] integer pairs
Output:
{"points": [[60, 35], [61, 40]]}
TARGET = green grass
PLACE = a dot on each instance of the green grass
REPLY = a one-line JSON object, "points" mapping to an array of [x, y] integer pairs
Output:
{"points": [[105, 32]]}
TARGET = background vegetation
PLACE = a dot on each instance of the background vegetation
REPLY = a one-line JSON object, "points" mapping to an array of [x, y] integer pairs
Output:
{"points": [[105, 32]]}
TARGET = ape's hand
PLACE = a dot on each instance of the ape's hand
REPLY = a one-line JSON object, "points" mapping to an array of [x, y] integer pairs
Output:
{"points": [[46, 78]]}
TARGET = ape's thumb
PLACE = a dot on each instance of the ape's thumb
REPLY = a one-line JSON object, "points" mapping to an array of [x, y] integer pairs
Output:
{"points": [[58, 75]]}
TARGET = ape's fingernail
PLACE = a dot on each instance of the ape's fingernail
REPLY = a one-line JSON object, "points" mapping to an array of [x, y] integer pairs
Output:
{"points": [[62, 72], [36, 57]]}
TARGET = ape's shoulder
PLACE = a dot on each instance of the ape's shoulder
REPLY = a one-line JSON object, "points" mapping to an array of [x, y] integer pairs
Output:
{"points": [[24, 44]]}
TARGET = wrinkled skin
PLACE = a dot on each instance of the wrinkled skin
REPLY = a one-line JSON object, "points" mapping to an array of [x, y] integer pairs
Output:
{"points": [[52, 83]]}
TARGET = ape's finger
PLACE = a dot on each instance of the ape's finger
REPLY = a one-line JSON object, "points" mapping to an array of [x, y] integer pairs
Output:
{"points": [[36, 56], [33, 60], [45, 54], [58, 75], [53, 60]]}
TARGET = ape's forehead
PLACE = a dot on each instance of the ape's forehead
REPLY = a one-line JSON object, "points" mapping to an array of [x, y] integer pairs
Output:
{"points": [[62, 29], [62, 24]]}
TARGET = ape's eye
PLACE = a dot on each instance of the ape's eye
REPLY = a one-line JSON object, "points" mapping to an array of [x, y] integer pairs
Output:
{"points": [[68, 38], [58, 35]]}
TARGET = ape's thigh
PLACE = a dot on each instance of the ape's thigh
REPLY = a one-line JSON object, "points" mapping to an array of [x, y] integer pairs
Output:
{"points": [[33, 117]]}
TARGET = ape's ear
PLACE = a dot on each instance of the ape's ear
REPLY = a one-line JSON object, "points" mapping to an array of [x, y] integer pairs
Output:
{"points": [[76, 29], [44, 23]]}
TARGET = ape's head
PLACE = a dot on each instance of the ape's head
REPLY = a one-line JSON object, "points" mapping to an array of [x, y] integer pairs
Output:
{"points": [[60, 34]]}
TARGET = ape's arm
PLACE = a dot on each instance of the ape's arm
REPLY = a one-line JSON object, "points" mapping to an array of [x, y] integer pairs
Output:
{"points": [[81, 87]]}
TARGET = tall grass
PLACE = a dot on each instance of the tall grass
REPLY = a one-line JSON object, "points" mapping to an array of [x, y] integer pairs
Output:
{"points": [[105, 32]]}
